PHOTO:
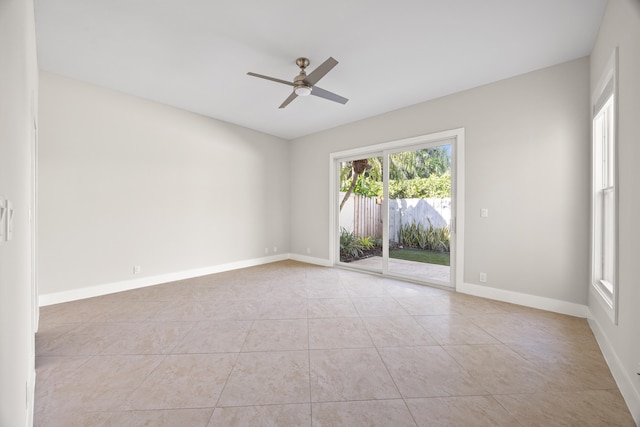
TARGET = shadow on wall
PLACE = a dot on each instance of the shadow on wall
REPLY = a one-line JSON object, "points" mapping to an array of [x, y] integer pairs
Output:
{"points": [[436, 212]]}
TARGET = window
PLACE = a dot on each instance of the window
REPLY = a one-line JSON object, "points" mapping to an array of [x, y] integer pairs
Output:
{"points": [[604, 192]]}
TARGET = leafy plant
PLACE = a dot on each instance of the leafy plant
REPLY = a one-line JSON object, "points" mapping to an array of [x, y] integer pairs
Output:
{"points": [[367, 243], [364, 186], [407, 235], [350, 244], [416, 235], [378, 242], [354, 247], [436, 186], [444, 239]]}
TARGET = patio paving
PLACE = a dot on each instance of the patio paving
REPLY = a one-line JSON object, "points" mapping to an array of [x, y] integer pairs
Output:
{"points": [[419, 270]]}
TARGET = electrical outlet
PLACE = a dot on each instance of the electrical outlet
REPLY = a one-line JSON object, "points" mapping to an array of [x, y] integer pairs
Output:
{"points": [[266, 250], [308, 250], [484, 213], [275, 249], [483, 277], [136, 269]]}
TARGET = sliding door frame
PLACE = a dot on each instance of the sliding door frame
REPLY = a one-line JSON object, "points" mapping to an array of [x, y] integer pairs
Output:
{"points": [[457, 193]]}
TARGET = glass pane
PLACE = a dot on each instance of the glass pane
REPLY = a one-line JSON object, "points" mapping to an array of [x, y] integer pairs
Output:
{"points": [[608, 230], [609, 143], [360, 202], [420, 213], [599, 161]]}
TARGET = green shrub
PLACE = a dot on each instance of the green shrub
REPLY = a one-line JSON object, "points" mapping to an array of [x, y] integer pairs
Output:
{"points": [[416, 235], [350, 244], [365, 186], [444, 239], [367, 243], [408, 235], [436, 186]]}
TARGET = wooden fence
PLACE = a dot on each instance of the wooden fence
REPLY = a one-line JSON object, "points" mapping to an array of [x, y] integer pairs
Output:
{"points": [[363, 215], [367, 216]]}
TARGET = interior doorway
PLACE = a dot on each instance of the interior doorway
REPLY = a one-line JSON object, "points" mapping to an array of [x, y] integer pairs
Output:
{"points": [[397, 206]]}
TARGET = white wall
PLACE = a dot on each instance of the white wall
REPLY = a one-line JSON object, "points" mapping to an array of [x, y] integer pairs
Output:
{"points": [[125, 182], [527, 161], [18, 96], [621, 343]]}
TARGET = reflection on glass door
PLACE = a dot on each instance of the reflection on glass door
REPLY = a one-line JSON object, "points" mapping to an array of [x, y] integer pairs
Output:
{"points": [[420, 214], [360, 218]]}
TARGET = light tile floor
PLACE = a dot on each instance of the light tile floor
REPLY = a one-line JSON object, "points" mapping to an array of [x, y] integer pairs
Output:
{"points": [[291, 344]]}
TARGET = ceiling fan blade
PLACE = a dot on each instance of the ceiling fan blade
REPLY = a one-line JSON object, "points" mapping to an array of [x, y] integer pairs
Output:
{"points": [[328, 95], [320, 71], [288, 100], [273, 79]]}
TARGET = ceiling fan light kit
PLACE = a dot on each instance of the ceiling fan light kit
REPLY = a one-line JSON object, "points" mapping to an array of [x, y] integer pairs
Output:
{"points": [[304, 85], [303, 90]]}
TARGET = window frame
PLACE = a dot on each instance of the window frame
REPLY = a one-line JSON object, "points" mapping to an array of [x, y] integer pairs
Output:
{"points": [[604, 190]]}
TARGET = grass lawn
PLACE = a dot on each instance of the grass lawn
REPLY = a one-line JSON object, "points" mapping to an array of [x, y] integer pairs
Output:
{"points": [[419, 255]]}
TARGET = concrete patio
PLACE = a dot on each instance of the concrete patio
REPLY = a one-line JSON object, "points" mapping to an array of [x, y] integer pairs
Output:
{"points": [[418, 270]]}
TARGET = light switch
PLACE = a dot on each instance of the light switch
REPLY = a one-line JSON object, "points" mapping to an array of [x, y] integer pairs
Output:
{"points": [[484, 212]]}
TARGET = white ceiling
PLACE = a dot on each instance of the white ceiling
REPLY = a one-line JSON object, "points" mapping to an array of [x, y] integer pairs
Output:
{"points": [[194, 54]]}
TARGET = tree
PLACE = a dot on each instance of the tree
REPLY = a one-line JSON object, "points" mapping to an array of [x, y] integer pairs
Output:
{"points": [[358, 167], [366, 174], [419, 163]]}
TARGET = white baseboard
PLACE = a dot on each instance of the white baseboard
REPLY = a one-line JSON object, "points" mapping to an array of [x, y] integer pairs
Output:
{"points": [[467, 288], [310, 260], [31, 398], [126, 285], [542, 303], [624, 380]]}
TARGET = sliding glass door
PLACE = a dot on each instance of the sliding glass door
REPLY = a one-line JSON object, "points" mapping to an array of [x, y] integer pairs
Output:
{"points": [[420, 213], [360, 212], [396, 210]]}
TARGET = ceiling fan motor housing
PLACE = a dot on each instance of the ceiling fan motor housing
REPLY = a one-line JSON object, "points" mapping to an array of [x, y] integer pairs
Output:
{"points": [[300, 86]]}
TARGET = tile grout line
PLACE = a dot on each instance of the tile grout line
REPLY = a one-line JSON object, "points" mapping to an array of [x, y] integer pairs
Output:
{"points": [[233, 368], [387, 369], [309, 353]]}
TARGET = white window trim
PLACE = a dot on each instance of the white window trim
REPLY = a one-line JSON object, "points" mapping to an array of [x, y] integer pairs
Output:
{"points": [[458, 157], [606, 87]]}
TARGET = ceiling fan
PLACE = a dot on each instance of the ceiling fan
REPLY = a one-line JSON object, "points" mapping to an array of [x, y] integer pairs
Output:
{"points": [[304, 84]]}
